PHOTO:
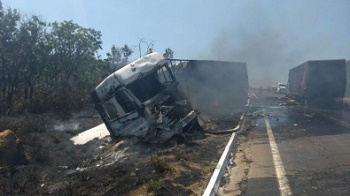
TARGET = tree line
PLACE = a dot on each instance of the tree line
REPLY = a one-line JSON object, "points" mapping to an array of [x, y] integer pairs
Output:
{"points": [[51, 67]]}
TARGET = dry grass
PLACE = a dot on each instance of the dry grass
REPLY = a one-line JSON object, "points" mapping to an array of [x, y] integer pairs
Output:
{"points": [[155, 185], [161, 165]]}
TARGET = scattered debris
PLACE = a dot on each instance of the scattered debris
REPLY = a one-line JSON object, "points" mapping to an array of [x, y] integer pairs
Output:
{"points": [[220, 124], [288, 101], [258, 114], [309, 115]]}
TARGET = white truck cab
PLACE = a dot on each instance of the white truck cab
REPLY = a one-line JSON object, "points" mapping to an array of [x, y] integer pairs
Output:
{"points": [[142, 99]]}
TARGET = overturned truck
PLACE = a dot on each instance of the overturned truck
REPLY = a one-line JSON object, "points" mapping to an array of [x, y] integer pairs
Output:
{"points": [[142, 99], [319, 84], [153, 98]]}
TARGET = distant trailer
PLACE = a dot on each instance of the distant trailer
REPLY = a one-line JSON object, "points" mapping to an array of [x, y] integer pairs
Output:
{"points": [[347, 91], [320, 83], [213, 87]]}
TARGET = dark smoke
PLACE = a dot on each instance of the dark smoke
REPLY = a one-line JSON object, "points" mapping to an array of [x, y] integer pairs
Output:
{"points": [[266, 55], [271, 40], [214, 87]]}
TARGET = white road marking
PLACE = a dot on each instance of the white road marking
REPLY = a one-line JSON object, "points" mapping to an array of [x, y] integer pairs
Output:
{"points": [[282, 179], [254, 95]]}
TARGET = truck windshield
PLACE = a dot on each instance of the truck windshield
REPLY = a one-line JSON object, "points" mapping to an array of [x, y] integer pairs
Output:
{"points": [[149, 86], [118, 106]]}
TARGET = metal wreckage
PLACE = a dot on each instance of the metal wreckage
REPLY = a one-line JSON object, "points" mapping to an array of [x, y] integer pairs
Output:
{"points": [[153, 98], [142, 99]]}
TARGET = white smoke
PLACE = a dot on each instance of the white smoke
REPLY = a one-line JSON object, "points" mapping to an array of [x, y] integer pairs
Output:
{"points": [[66, 126]]}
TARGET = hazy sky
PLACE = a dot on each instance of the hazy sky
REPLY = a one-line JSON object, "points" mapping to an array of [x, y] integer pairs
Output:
{"points": [[272, 36]]}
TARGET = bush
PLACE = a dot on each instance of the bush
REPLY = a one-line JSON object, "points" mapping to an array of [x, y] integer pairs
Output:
{"points": [[161, 165], [155, 185]]}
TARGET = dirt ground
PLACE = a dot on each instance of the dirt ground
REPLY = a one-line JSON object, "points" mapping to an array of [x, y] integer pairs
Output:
{"points": [[125, 166]]}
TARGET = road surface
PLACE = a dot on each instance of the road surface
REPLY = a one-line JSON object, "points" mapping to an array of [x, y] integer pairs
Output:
{"points": [[290, 151]]}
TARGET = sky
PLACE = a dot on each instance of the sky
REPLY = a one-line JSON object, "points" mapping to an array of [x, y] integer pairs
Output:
{"points": [[271, 36]]}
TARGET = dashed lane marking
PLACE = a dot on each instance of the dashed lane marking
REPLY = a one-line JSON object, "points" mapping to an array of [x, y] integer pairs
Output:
{"points": [[282, 179]]}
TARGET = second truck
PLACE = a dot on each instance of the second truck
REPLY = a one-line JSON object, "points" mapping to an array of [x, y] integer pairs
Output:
{"points": [[319, 83]]}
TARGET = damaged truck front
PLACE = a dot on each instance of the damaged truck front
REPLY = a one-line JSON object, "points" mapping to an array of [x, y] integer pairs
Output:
{"points": [[142, 99]]}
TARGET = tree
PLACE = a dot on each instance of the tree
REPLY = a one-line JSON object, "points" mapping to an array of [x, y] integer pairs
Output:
{"points": [[48, 66], [33, 52], [149, 50], [114, 58], [149, 46], [168, 53], [73, 51], [127, 51], [73, 47], [9, 65]]}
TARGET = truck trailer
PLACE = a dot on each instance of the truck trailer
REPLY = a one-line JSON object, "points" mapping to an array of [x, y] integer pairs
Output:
{"points": [[319, 83], [216, 88]]}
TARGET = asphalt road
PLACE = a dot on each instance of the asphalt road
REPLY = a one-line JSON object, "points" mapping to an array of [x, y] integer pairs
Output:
{"points": [[290, 151]]}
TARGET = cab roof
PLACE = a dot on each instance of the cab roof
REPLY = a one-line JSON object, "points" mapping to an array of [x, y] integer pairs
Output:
{"points": [[130, 73]]}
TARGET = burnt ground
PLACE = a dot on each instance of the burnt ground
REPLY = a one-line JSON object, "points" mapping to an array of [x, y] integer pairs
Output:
{"points": [[126, 166]]}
